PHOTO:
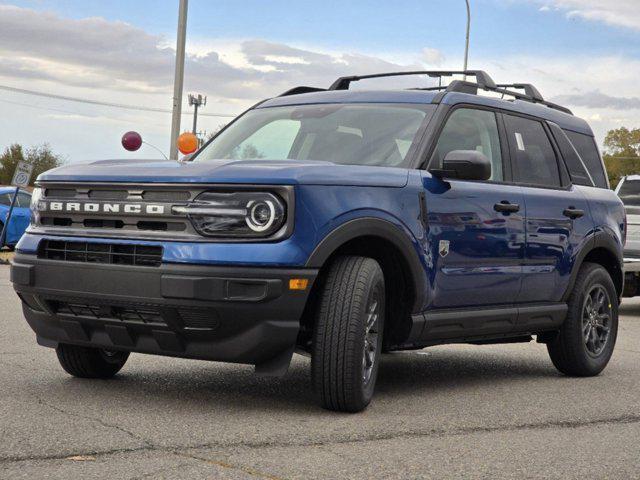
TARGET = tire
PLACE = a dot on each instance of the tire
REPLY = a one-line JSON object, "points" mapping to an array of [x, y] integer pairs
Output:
{"points": [[86, 362], [349, 318], [581, 348]]}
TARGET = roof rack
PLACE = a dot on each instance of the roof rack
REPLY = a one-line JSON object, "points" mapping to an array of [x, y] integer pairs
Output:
{"points": [[529, 96], [529, 90], [483, 82], [301, 89], [482, 78]]}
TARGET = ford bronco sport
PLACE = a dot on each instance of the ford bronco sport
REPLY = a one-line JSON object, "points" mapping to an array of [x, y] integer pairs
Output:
{"points": [[341, 224]]}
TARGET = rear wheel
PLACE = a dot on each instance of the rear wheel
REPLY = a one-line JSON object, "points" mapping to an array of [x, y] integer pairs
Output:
{"points": [[86, 362], [348, 330], [587, 338]]}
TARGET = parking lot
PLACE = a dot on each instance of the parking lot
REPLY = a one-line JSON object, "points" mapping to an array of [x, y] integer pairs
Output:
{"points": [[447, 412]]}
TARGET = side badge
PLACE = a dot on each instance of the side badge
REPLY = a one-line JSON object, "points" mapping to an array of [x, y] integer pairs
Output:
{"points": [[444, 248]]}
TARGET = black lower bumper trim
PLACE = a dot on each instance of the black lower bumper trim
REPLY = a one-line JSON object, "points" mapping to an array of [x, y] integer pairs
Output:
{"points": [[233, 314]]}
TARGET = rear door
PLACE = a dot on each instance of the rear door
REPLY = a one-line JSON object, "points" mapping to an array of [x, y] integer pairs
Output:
{"points": [[557, 214], [475, 229]]}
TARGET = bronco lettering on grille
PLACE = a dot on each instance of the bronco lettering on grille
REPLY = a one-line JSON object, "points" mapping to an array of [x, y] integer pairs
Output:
{"points": [[131, 208]]}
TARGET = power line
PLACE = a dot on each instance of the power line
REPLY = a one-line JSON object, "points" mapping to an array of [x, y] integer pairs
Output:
{"points": [[102, 104]]}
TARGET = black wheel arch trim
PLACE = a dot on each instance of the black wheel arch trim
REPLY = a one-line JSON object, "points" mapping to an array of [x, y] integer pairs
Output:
{"points": [[371, 226], [600, 240]]}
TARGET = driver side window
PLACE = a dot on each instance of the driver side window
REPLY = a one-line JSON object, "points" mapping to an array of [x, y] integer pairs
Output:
{"points": [[469, 129]]}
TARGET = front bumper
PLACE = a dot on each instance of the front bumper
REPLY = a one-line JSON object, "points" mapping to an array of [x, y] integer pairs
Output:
{"points": [[232, 314]]}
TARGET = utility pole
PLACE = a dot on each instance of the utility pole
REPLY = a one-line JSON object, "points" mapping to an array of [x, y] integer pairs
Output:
{"points": [[178, 81], [196, 101], [466, 49]]}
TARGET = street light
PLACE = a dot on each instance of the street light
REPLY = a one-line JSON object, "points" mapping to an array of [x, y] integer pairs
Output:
{"points": [[466, 49]]}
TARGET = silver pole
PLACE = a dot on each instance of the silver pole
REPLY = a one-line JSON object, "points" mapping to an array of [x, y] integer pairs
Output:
{"points": [[466, 50], [179, 79]]}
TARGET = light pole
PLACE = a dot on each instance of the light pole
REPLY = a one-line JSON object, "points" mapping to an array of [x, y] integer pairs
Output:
{"points": [[466, 49], [178, 81]]}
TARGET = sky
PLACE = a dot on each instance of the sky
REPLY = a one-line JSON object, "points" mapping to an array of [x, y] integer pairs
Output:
{"points": [[584, 54]]}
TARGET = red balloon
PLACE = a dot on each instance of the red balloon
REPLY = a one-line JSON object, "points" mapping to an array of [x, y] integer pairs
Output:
{"points": [[131, 141]]}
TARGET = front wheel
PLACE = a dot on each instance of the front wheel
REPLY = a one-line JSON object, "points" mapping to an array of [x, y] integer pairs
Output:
{"points": [[87, 362], [585, 343], [347, 338]]}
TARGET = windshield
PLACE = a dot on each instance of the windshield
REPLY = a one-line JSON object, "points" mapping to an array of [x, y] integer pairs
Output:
{"points": [[629, 192], [362, 134]]}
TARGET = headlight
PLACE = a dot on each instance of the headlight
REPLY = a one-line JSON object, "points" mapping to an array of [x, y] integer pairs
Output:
{"points": [[36, 196], [237, 214]]}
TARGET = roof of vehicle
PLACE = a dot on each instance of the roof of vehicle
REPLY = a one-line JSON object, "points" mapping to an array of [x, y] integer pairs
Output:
{"points": [[564, 120], [5, 189]]}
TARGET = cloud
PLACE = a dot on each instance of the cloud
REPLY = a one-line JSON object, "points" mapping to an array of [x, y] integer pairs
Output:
{"points": [[433, 56], [619, 13], [115, 55], [597, 99]]}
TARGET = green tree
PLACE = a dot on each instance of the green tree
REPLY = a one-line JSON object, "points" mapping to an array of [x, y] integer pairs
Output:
{"points": [[623, 142], [41, 157], [622, 155]]}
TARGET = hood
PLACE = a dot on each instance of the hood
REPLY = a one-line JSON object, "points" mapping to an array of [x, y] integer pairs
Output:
{"points": [[275, 172]]}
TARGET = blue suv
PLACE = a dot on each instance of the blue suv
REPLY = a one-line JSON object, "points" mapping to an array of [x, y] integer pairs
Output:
{"points": [[340, 224]]}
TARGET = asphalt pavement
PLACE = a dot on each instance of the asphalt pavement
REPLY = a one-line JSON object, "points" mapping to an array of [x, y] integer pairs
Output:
{"points": [[446, 412]]}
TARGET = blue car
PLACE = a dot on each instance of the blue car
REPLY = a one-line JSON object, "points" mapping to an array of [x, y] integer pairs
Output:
{"points": [[339, 224], [19, 217]]}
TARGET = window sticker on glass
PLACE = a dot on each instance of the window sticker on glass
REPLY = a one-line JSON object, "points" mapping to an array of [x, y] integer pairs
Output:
{"points": [[520, 142]]}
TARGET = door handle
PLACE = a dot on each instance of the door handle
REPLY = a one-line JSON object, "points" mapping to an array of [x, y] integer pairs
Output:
{"points": [[506, 207], [573, 213]]}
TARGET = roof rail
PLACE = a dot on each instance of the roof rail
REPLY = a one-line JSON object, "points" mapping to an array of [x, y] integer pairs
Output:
{"points": [[301, 89], [482, 78], [483, 82], [531, 93], [531, 98], [529, 90]]}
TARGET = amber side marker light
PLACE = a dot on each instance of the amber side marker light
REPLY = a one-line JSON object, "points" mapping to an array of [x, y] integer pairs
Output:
{"points": [[298, 283]]}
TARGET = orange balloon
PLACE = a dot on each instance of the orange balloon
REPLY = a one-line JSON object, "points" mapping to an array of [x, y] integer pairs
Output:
{"points": [[187, 143]]}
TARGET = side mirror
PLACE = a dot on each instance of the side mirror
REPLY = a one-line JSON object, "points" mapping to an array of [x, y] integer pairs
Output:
{"points": [[464, 165]]}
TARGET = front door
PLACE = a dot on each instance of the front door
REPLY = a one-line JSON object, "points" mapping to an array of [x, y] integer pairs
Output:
{"points": [[475, 230]]}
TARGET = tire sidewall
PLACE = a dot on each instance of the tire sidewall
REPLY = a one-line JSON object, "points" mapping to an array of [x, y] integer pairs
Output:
{"points": [[376, 287], [597, 276]]}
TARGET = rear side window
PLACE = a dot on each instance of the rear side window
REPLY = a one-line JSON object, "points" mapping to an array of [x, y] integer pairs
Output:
{"points": [[535, 159], [577, 169], [586, 147], [5, 199]]}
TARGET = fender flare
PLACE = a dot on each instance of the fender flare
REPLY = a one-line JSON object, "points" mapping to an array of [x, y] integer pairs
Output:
{"points": [[371, 226], [599, 240]]}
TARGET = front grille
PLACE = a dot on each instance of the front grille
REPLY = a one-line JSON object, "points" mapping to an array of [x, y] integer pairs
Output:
{"points": [[116, 211], [110, 253], [149, 314], [130, 313]]}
